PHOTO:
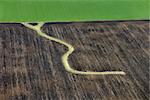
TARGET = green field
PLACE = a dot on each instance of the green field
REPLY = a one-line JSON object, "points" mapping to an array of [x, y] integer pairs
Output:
{"points": [[72, 10]]}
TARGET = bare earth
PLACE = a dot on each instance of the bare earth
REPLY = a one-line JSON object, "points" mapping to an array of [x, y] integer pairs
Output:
{"points": [[31, 67]]}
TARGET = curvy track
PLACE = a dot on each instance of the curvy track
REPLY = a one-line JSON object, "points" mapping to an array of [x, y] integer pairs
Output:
{"points": [[37, 28]]}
